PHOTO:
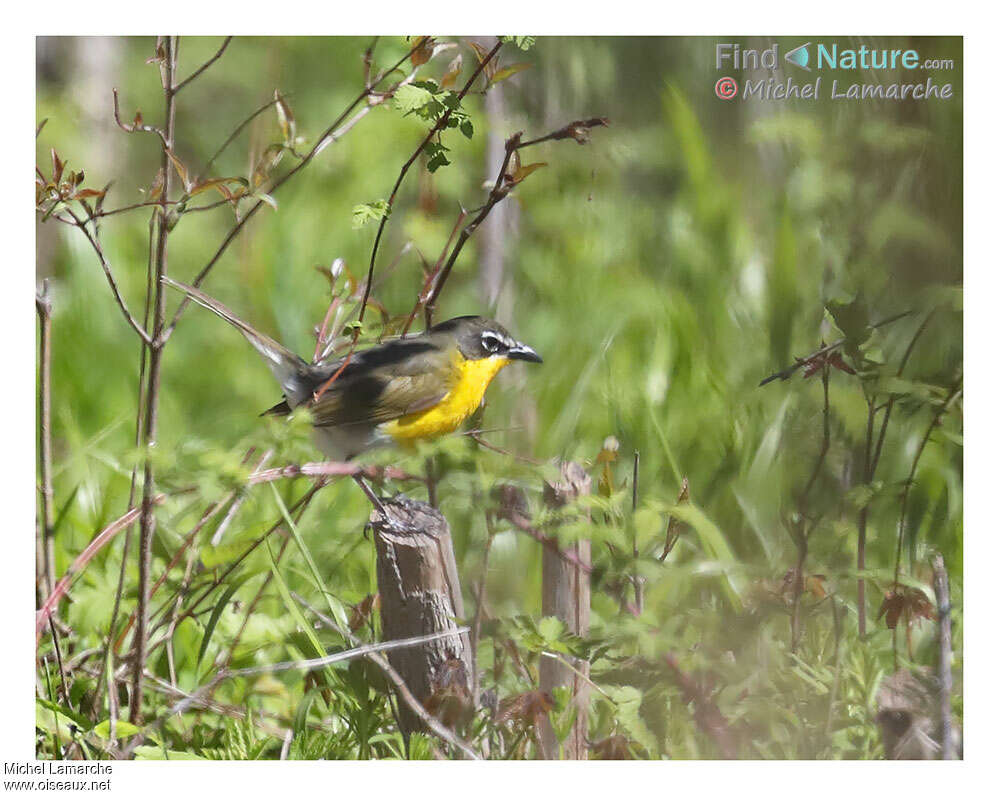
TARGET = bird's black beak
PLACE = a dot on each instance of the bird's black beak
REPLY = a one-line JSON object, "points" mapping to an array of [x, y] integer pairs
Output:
{"points": [[524, 352]]}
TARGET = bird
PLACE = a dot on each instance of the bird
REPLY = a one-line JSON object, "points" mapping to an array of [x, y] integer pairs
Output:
{"points": [[407, 389]]}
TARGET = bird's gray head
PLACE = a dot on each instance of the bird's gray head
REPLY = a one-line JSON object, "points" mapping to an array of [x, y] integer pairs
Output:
{"points": [[478, 338]]}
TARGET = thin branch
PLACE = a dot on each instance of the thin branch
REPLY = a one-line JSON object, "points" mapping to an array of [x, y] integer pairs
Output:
{"points": [[299, 506], [579, 131], [800, 532], [480, 599], [942, 589], [523, 524], [357, 652], [502, 185], [147, 521], [79, 564], [636, 580], [197, 73], [500, 189], [106, 266], [43, 306], [235, 133], [62, 670], [891, 399], [237, 504], [438, 126], [424, 294], [231, 235], [326, 469], [953, 396], [785, 374], [382, 663], [137, 126], [137, 206], [706, 712], [107, 657]]}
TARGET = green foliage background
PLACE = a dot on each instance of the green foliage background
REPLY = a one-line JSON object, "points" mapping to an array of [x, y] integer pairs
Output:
{"points": [[665, 268]]}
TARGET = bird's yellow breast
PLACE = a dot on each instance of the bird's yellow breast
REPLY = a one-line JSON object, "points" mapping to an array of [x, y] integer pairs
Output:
{"points": [[469, 382]]}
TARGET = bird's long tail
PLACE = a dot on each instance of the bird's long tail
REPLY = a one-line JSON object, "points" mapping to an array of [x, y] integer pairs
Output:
{"points": [[288, 368]]}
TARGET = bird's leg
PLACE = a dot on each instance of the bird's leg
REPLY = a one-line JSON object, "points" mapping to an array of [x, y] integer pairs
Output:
{"points": [[370, 493], [431, 475]]}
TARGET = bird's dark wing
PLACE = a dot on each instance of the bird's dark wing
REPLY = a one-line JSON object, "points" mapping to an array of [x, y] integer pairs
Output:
{"points": [[386, 383]]}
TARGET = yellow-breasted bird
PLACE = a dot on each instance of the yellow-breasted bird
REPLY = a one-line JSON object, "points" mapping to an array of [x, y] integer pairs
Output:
{"points": [[408, 389]]}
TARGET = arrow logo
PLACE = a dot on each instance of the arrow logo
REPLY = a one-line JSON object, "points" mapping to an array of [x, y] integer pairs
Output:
{"points": [[799, 57]]}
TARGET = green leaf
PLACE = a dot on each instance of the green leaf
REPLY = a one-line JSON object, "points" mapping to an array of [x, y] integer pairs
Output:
{"points": [[466, 128], [336, 611], [628, 700], [285, 118], [714, 543], [437, 160], [55, 720], [524, 172], [409, 98], [161, 753], [214, 619], [508, 71], [317, 648], [122, 729], [523, 42], [551, 628], [369, 211], [852, 317]]}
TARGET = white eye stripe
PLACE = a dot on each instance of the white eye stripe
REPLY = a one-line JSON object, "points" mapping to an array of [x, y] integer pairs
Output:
{"points": [[492, 342]]}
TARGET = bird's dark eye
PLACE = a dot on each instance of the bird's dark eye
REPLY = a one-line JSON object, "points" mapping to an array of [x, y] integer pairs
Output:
{"points": [[491, 343]]}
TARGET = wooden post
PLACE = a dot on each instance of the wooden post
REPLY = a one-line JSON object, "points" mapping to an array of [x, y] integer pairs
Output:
{"points": [[566, 594], [420, 595]]}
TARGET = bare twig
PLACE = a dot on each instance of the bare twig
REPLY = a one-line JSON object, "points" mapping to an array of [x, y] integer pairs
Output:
{"points": [[480, 600], [357, 652], [438, 126], [62, 586], [862, 526], [706, 712], [523, 524], [197, 73], [236, 504], [107, 657], [800, 530], [382, 663], [476, 435], [300, 505], [424, 294], [106, 266], [323, 141], [62, 670], [785, 374], [138, 125], [46, 562], [942, 588], [235, 133], [326, 469], [147, 522], [955, 393], [502, 185], [636, 579], [891, 399]]}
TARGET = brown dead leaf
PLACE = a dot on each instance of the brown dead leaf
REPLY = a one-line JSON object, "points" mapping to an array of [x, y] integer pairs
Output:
{"points": [[361, 612]]}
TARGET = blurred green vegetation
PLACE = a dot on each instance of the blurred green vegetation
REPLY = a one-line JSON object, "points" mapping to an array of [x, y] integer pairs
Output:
{"points": [[663, 269]]}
